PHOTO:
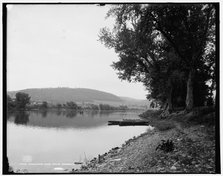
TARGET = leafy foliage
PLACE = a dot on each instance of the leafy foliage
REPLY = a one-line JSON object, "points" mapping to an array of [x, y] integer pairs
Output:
{"points": [[21, 117], [44, 105], [10, 103], [160, 45], [71, 105], [22, 99]]}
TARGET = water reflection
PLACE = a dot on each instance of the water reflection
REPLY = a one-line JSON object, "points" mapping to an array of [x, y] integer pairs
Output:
{"points": [[105, 113], [67, 119], [44, 113], [63, 137], [21, 117], [58, 112], [71, 114], [93, 113]]}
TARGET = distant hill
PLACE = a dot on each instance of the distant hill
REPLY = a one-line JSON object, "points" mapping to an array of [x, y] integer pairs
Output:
{"points": [[128, 99], [63, 95], [133, 101]]}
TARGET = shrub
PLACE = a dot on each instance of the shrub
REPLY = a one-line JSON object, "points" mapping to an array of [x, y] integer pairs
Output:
{"points": [[166, 146], [164, 125]]}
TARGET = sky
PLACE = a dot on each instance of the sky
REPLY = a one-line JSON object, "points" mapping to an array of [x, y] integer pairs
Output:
{"points": [[57, 46]]}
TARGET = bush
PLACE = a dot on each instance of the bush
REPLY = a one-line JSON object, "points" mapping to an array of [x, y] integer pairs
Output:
{"points": [[166, 146], [151, 113], [164, 125]]}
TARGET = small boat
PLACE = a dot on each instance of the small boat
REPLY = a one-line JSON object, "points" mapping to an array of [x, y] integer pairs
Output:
{"points": [[113, 122], [128, 122], [78, 163], [132, 123], [132, 120]]}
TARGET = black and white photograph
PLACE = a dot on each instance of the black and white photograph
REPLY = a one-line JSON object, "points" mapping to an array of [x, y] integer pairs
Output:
{"points": [[111, 88]]}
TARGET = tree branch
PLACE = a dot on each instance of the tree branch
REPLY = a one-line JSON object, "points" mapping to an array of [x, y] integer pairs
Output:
{"points": [[172, 42], [168, 37], [141, 63]]}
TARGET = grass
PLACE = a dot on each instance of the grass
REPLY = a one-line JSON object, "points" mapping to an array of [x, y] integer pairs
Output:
{"points": [[153, 116], [164, 125], [150, 114], [200, 115]]}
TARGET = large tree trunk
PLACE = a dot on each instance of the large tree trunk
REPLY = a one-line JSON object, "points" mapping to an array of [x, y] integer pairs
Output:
{"points": [[168, 108], [190, 97], [169, 101], [169, 97]]}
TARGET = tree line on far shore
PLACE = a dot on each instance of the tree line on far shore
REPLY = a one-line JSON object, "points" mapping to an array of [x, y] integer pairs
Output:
{"points": [[22, 101]]}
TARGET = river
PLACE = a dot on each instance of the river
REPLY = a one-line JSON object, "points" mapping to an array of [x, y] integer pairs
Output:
{"points": [[55, 141]]}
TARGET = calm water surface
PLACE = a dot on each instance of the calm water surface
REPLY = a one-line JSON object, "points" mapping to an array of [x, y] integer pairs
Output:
{"points": [[53, 141]]}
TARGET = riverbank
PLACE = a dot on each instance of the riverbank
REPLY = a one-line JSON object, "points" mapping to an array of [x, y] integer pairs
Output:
{"points": [[193, 138]]}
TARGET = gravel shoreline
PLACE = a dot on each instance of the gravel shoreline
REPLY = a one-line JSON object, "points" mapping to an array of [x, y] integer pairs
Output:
{"points": [[194, 152]]}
